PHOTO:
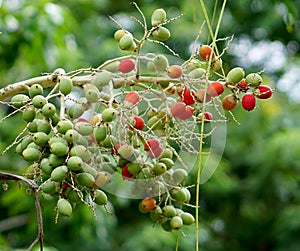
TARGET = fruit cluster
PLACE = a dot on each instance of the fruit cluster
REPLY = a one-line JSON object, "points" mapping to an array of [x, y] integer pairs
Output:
{"points": [[133, 118]]}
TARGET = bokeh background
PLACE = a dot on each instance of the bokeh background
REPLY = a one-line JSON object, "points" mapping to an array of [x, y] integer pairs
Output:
{"points": [[252, 202]]}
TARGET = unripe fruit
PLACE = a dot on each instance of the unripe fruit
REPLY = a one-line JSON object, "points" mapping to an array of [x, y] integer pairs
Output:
{"points": [[179, 175], [174, 71], [81, 151], [19, 100], [161, 33], [216, 64], [158, 17], [29, 114], [248, 102], [35, 89], [50, 187], [91, 93], [43, 125], [215, 89], [59, 149], [64, 207], [126, 42], [100, 133], [109, 114], [59, 174], [119, 34], [169, 211], [155, 123], [200, 94], [48, 110], [148, 204], [72, 136], [40, 138], [64, 125], [100, 197], [102, 78], [263, 92], [181, 194], [205, 52], [131, 98], [139, 123], [253, 79], [176, 222], [159, 168], [167, 153], [45, 166], [156, 214], [161, 62], [55, 161], [166, 226], [31, 154], [229, 102], [167, 161], [235, 75], [74, 163], [56, 138], [84, 128], [38, 101], [134, 167], [126, 65], [65, 85], [187, 218], [101, 179], [177, 109], [85, 179], [75, 196], [126, 152], [197, 73], [189, 111]]}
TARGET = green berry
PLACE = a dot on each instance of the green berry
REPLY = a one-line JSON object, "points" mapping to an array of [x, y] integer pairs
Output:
{"points": [[119, 34], [126, 152], [101, 79], [40, 138], [35, 89], [39, 101], [235, 75], [176, 222], [161, 62], [187, 218], [59, 149], [19, 100], [159, 168], [168, 162], [100, 197], [29, 114], [55, 161], [75, 196], [64, 125], [48, 110], [161, 33], [253, 79], [59, 173], [158, 17], [74, 163], [65, 85], [84, 128], [72, 136], [81, 151], [91, 93], [126, 42], [45, 166], [64, 207], [109, 114], [50, 187], [85, 179], [31, 154], [169, 211], [100, 133]]}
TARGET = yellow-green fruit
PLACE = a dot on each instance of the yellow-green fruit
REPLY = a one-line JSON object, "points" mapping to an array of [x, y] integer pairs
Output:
{"points": [[48, 110], [101, 79], [109, 114], [40, 138], [235, 75], [59, 174], [74, 163], [81, 151], [101, 179], [64, 207], [187, 218], [176, 222], [59, 149], [43, 125], [56, 138], [216, 65], [169, 211], [55, 161], [39, 101], [75, 196], [31, 154], [50, 187], [161, 33], [126, 152], [158, 17], [126, 42], [167, 153], [91, 93], [119, 34], [45, 166], [85, 179], [181, 194], [64, 125], [84, 128], [72, 136], [159, 168], [168, 162], [179, 175], [161, 62], [100, 133], [197, 73], [253, 79], [19, 100], [100, 197], [65, 85], [134, 167], [166, 226], [156, 214], [155, 123], [29, 114], [34, 90]]}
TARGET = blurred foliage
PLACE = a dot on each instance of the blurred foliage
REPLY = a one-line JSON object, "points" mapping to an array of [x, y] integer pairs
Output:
{"points": [[252, 202]]}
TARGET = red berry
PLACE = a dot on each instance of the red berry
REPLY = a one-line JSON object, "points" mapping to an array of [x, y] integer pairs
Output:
{"points": [[126, 65], [125, 173], [138, 122], [200, 94], [187, 96], [188, 113], [151, 144], [155, 153], [205, 52], [177, 109], [229, 102], [208, 117], [263, 92], [243, 84], [148, 204], [132, 98], [215, 89], [174, 71], [248, 101]]}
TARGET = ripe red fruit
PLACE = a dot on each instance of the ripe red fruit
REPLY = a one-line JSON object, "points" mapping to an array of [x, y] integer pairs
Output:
{"points": [[132, 98], [215, 89], [155, 153], [138, 122], [126, 65], [177, 109], [189, 111], [205, 52], [229, 102], [248, 101], [125, 173], [243, 84], [187, 96], [148, 204], [263, 92], [208, 117], [200, 94], [174, 71], [151, 144]]}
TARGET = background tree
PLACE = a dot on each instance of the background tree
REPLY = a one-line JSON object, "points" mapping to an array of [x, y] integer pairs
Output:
{"points": [[250, 203]]}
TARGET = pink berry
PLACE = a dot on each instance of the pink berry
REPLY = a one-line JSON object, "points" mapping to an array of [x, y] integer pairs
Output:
{"points": [[177, 109], [187, 114], [215, 89], [174, 71], [155, 153], [151, 144], [248, 101], [126, 65]]}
